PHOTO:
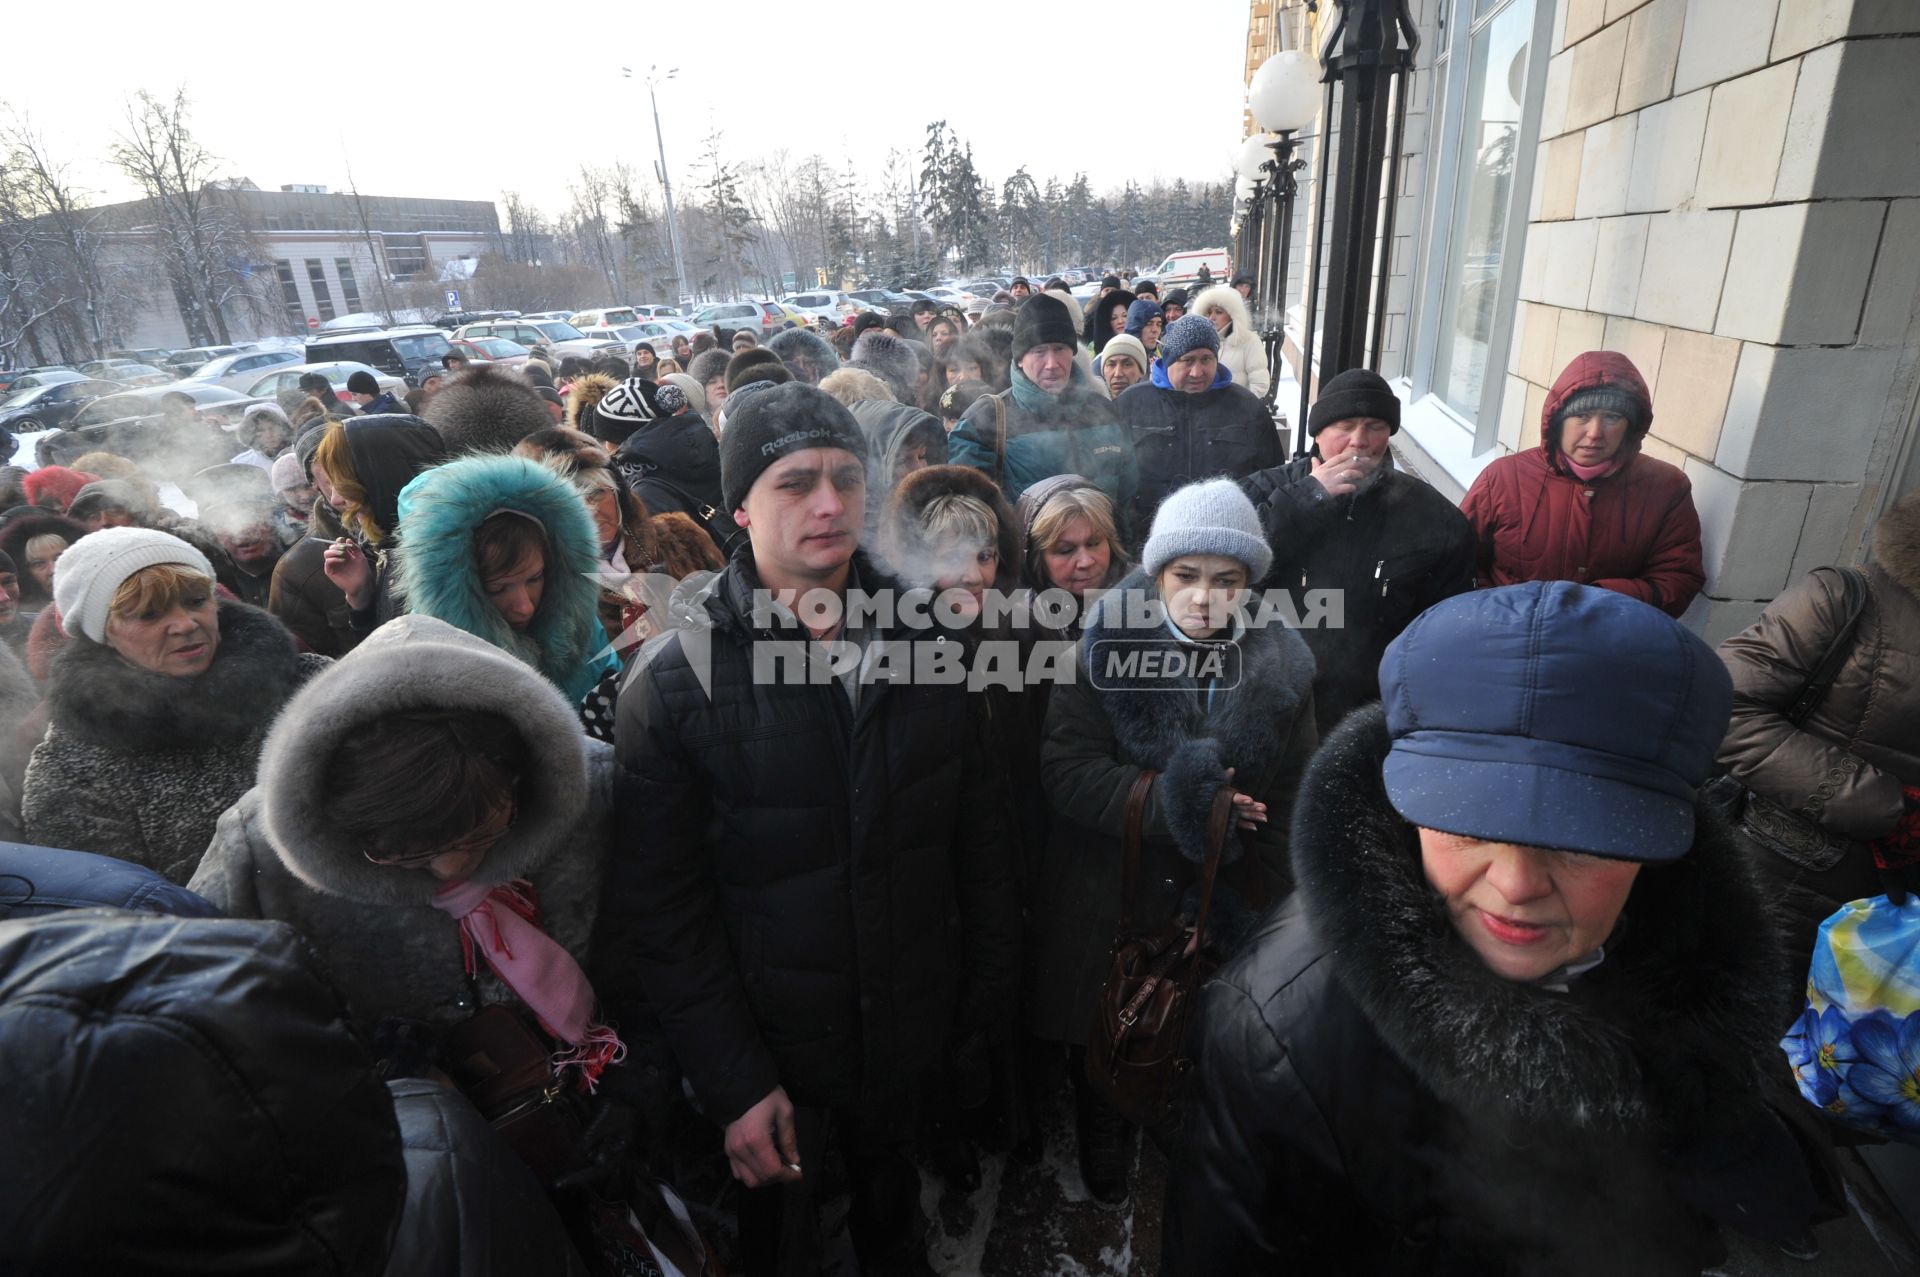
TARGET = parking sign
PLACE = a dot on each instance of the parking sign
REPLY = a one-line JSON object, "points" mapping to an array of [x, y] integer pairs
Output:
{"points": [[453, 299]]}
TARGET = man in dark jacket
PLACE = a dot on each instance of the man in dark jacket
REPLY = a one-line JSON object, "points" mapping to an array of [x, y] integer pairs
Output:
{"points": [[667, 458], [1342, 518], [366, 392], [811, 884], [1055, 420], [1190, 422]]}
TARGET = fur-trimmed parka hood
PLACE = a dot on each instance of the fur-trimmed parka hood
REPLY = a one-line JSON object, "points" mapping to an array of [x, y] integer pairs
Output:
{"points": [[1172, 724], [1896, 543], [24, 528], [1675, 1023], [1224, 297], [439, 574], [412, 663], [903, 543], [486, 409], [583, 395], [102, 699]]}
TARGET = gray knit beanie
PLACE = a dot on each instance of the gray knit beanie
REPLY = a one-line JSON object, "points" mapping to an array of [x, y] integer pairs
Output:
{"points": [[1209, 517], [1186, 335]]}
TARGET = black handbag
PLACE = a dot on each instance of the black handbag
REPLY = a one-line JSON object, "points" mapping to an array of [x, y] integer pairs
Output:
{"points": [[1782, 831]]}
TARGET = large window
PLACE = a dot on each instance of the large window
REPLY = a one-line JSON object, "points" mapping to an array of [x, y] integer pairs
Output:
{"points": [[1489, 69], [322, 296], [290, 294], [349, 290]]}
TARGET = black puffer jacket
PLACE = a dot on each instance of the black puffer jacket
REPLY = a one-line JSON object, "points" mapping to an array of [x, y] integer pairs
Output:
{"points": [[1393, 551], [186, 1099], [1369, 1098], [673, 465], [1180, 438], [800, 889]]}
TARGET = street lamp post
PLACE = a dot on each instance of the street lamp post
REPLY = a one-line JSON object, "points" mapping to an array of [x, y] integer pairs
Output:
{"points": [[666, 183], [1283, 98]]}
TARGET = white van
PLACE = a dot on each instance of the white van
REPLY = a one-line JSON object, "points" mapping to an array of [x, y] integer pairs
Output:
{"points": [[1182, 269]]}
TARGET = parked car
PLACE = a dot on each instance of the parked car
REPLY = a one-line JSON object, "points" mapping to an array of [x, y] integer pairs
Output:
{"points": [[399, 351], [287, 377], [359, 321], [14, 376], [763, 319], [884, 300], [607, 317], [952, 296], [461, 318], [186, 361], [131, 424], [664, 330], [658, 312], [557, 335], [546, 314], [51, 406], [127, 371], [492, 350], [146, 355], [239, 371], [830, 305], [42, 377]]}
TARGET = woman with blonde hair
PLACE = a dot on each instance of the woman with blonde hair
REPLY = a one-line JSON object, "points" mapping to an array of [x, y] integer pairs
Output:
{"points": [[158, 705], [1073, 542]]}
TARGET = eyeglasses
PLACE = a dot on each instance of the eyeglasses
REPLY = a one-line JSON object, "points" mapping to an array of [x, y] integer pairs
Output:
{"points": [[482, 838]]}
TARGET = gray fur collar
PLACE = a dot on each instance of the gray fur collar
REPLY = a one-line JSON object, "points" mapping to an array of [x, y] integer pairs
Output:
{"points": [[1161, 724], [1896, 543], [99, 698], [417, 662], [1670, 1029]]}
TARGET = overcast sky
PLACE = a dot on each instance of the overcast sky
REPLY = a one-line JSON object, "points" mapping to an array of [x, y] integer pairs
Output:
{"points": [[470, 99]]}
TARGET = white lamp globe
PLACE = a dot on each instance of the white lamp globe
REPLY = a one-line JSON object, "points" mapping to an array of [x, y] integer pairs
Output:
{"points": [[1254, 153], [1285, 93]]}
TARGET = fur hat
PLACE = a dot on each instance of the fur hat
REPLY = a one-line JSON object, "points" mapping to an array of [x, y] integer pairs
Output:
{"points": [[755, 363], [775, 422], [709, 364], [1186, 335], [56, 482], [92, 570], [797, 346], [1209, 517], [583, 395], [1043, 320], [890, 358], [1357, 392], [486, 409]]}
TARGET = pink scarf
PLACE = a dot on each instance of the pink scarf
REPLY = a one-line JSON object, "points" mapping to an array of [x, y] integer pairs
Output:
{"points": [[536, 967], [1587, 474]]}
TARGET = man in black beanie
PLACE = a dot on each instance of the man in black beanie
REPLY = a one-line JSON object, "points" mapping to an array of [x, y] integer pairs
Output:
{"points": [[1343, 519], [365, 391], [1051, 420], [814, 891]]}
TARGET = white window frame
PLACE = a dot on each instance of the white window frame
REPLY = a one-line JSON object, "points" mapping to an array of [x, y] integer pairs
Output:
{"points": [[1464, 446]]}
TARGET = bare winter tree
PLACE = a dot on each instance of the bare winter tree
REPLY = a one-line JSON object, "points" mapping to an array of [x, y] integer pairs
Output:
{"points": [[198, 237], [593, 230]]}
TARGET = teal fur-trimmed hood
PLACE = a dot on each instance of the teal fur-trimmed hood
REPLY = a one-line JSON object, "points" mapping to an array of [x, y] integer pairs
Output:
{"points": [[439, 575]]}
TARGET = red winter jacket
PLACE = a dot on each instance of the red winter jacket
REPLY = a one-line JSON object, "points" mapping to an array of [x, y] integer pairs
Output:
{"points": [[1634, 532]]}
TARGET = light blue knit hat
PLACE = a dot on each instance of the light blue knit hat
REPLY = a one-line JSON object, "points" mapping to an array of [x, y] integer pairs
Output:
{"points": [[1209, 517]]}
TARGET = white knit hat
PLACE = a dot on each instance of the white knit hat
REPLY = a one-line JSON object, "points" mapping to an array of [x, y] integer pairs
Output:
{"points": [[1209, 517], [92, 569], [1130, 346]]}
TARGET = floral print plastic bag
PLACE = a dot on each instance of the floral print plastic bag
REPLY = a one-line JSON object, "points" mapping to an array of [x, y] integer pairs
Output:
{"points": [[1855, 1052]]}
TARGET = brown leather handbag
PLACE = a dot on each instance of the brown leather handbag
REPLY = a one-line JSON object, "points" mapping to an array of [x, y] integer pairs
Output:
{"points": [[500, 1062], [1136, 1053]]}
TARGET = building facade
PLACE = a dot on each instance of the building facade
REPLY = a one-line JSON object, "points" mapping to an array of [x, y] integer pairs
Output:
{"points": [[310, 255], [1727, 191]]}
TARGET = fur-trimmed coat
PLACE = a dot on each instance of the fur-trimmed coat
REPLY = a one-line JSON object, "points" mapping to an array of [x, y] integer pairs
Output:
{"points": [[396, 958], [139, 765], [439, 575], [1099, 738], [1241, 349], [1846, 765], [1369, 1098]]}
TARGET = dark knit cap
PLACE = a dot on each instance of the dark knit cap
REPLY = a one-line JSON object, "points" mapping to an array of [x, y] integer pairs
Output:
{"points": [[773, 423], [362, 383], [1609, 398], [1175, 297], [1109, 281], [549, 395], [1357, 392], [1021, 279], [6, 564], [756, 363], [1043, 320], [306, 445]]}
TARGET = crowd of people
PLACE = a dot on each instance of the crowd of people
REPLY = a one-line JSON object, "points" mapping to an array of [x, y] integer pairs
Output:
{"points": [[509, 796]]}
